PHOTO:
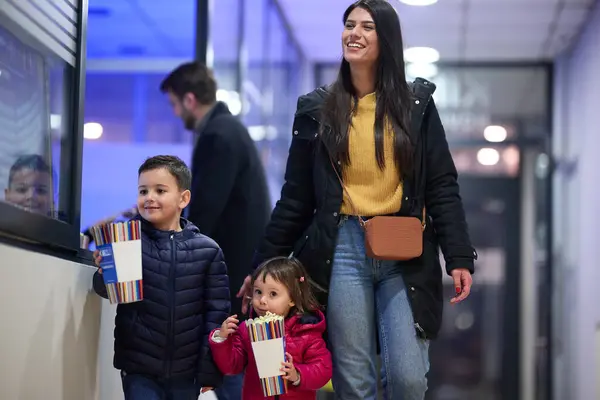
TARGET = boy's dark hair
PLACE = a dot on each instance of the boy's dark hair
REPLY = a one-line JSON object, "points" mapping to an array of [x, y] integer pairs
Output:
{"points": [[34, 162], [174, 165], [291, 273], [193, 77]]}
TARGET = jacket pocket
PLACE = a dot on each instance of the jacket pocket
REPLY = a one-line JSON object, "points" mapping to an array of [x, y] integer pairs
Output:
{"points": [[301, 243], [427, 320], [423, 280]]}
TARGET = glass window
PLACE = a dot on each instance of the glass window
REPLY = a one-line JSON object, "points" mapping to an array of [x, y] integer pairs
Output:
{"points": [[38, 130], [127, 118], [140, 115], [225, 38], [272, 87], [26, 162]]}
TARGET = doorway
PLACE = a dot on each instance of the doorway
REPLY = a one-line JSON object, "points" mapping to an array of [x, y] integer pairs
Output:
{"points": [[477, 354]]}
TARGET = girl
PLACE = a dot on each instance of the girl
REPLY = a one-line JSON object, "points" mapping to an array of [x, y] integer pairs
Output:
{"points": [[280, 286]]}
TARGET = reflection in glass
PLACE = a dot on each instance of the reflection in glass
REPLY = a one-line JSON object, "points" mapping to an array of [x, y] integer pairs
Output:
{"points": [[30, 185], [31, 108]]}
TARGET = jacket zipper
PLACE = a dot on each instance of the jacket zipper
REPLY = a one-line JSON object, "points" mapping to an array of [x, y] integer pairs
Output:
{"points": [[171, 324], [421, 331]]}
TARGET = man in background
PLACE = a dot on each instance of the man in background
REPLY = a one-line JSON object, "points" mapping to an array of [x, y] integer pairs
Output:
{"points": [[230, 199]]}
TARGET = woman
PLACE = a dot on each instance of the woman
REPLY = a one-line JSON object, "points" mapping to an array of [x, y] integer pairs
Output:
{"points": [[399, 303]]}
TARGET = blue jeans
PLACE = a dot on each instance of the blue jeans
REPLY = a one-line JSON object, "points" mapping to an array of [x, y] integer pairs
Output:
{"points": [[141, 387], [368, 297], [231, 389]]}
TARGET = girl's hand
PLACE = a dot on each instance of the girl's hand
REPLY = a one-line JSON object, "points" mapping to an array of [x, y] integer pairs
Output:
{"points": [[229, 326], [97, 259], [291, 373]]}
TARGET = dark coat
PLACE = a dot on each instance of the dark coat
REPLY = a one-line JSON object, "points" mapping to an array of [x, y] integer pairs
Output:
{"points": [[230, 198], [305, 219], [186, 296]]}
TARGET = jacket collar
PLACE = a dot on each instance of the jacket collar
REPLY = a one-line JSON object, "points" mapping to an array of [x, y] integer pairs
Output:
{"points": [[217, 109], [311, 103], [188, 229], [311, 322]]}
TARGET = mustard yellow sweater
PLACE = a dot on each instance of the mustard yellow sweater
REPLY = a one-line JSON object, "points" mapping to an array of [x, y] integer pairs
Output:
{"points": [[373, 191]]}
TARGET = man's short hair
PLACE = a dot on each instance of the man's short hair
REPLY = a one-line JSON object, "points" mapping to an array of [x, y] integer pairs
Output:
{"points": [[193, 77], [174, 165]]}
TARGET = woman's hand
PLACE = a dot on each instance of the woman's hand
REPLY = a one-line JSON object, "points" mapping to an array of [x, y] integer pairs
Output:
{"points": [[229, 326], [97, 259], [462, 284], [291, 373], [246, 292]]}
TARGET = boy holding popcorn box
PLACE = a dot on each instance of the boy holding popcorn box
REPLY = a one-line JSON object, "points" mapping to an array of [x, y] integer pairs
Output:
{"points": [[179, 296]]}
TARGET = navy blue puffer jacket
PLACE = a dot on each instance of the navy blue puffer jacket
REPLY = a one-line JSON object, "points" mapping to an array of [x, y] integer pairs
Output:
{"points": [[186, 296]]}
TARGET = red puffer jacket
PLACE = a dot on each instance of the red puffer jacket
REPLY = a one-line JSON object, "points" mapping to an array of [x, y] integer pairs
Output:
{"points": [[303, 340]]}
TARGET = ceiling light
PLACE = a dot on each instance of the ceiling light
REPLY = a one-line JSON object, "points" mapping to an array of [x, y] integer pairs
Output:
{"points": [[262, 132], [488, 157], [421, 70], [232, 99], [92, 130], [419, 2], [511, 156], [222, 95], [421, 55], [495, 133]]}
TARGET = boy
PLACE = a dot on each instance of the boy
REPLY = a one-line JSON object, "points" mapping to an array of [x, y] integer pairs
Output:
{"points": [[30, 184], [161, 343]]}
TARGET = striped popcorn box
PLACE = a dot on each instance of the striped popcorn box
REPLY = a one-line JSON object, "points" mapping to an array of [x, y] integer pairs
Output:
{"points": [[268, 345], [120, 246]]}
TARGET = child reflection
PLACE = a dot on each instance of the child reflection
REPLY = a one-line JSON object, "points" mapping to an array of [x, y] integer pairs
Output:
{"points": [[30, 184]]}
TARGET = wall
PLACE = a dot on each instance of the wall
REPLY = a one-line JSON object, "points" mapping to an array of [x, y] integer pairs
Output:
{"points": [[576, 220], [50, 329]]}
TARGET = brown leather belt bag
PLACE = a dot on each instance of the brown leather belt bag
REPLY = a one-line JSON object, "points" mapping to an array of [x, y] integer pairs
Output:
{"points": [[390, 237], [393, 238]]}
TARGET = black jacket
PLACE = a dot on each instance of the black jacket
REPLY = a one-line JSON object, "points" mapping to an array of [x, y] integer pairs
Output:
{"points": [[305, 219], [186, 296], [230, 198]]}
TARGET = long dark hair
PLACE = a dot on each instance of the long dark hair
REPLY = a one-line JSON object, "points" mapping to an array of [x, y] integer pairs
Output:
{"points": [[392, 93]]}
